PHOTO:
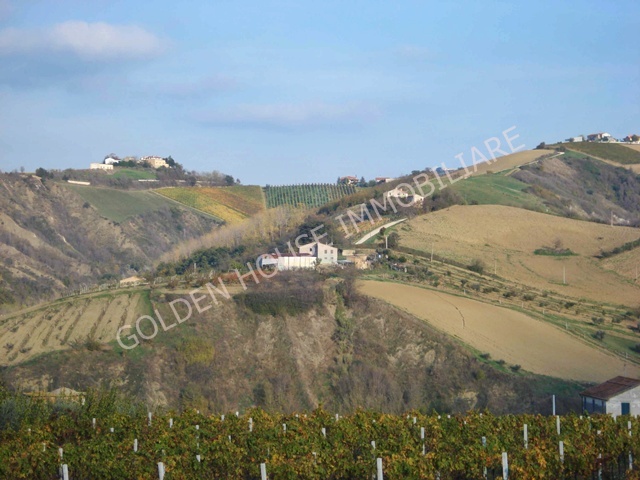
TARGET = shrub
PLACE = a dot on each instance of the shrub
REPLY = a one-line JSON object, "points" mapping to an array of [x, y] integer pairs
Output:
{"points": [[515, 368], [636, 348], [477, 266], [599, 335]]}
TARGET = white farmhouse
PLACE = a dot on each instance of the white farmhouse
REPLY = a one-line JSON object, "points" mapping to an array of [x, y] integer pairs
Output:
{"points": [[100, 166], [309, 256], [618, 396]]}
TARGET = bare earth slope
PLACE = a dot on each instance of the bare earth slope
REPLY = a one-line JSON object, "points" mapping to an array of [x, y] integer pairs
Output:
{"points": [[506, 334], [505, 238]]}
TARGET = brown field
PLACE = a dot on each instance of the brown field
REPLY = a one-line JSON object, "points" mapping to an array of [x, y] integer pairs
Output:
{"points": [[505, 238], [59, 325], [510, 161], [537, 346], [626, 264]]}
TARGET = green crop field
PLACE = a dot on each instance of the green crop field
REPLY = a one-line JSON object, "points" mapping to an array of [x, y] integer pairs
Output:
{"points": [[118, 205], [608, 151], [230, 204], [135, 174], [497, 189], [310, 195]]}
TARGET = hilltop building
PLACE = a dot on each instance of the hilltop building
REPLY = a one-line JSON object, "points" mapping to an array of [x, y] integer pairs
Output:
{"points": [[309, 256], [380, 180], [155, 162], [349, 180], [618, 396], [599, 137], [101, 166]]}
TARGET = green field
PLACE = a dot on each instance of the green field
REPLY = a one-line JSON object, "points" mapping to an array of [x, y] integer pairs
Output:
{"points": [[118, 205], [497, 189], [135, 174], [607, 151], [310, 196]]}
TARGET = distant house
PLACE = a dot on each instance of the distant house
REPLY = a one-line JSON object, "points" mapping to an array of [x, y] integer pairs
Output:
{"points": [[309, 256], [100, 166], [579, 138], [155, 162], [408, 197], [632, 138], [380, 180], [598, 137], [131, 281], [349, 180], [111, 159], [618, 396]]}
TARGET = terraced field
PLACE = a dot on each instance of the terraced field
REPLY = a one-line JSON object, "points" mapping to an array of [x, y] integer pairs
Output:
{"points": [[229, 204], [73, 320], [614, 152]]}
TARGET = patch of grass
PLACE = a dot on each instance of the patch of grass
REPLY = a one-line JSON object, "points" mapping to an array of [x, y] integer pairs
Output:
{"points": [[118, 205], [497, 189], [135, 174], [613, 152], [565, 252]]}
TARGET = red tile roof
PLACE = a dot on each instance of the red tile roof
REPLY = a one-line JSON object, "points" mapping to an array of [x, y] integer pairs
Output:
{"points": [[611, 388]]}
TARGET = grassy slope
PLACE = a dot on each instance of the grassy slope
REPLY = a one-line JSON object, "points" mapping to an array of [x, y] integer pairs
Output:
{"points": [[231, 204], [497, 189], [608, 151], [118, 205], [134, 174]]}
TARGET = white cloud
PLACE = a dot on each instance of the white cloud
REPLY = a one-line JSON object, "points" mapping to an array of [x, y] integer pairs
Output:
{"points": [[293, 115], [88, 41]]}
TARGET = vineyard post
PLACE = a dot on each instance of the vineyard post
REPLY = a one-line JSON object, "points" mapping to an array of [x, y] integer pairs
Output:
{"points": [[553, 402], [263, 471], [149, 415], [250, 424], [222, 418], [337, 417], [421, 433], [135, 444], [630, 461], [198, 458], [561, 448], [505, 466], [171, 423], [373, 444], [324, 432], [525, 434], [414, 420], [558, 424], [65, 472], [93, 423], [60, 452], [484, 445], [112, 430], [160, 471], [379, 468]]}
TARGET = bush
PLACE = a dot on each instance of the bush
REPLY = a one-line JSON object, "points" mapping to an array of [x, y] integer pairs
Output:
{"points": [[477, 266], [599, 335], [636, 348], [515, 368]]}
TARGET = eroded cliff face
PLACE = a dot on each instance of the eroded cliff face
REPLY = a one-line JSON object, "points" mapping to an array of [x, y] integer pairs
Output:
{"points": [[52, 241], [343, 351]]}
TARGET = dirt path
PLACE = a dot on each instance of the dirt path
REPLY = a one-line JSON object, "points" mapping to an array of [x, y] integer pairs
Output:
{"points": [[506, 334], [375, 231]]}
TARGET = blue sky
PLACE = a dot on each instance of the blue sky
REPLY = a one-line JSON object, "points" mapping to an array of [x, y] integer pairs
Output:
{"points": [[278, 92]]}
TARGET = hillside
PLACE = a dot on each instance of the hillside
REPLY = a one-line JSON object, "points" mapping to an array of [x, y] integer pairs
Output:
{"points": [[614, 152], [55, 237], [309, 196], [287, 345], [506, 238], [229, 204]]}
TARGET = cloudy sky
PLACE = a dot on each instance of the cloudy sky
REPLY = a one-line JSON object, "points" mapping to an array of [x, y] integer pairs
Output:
{"points": [[293, 91]]}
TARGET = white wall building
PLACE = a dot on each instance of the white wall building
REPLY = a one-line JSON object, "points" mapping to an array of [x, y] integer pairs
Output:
{"points": [[618, 396], [100, 166], [309, 256]]}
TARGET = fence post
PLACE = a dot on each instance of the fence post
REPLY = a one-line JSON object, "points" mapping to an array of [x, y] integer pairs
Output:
{"points": [[525, 434], [324, 432], [561, 448], [558, 424], [135, 444], [65, 472], [263, 471], [553, 402], [160, 471], [484, 445], [505, 466], [379, 468], [149, 415]]}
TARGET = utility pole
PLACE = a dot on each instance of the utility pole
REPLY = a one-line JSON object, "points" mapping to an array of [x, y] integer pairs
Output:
{"points": [[432, 257], [495, 267], [564, 275]]}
